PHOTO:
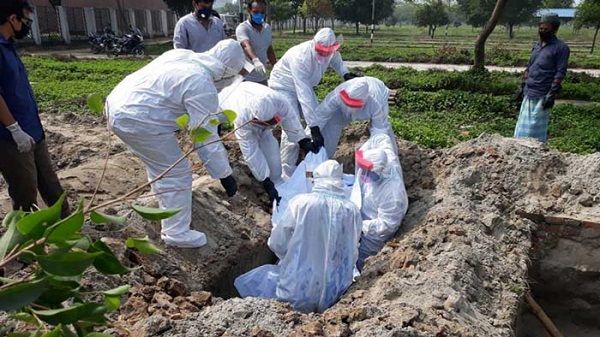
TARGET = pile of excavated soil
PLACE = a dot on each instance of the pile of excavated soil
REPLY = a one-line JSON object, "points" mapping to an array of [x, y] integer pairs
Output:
{"points": [[458, 266]]}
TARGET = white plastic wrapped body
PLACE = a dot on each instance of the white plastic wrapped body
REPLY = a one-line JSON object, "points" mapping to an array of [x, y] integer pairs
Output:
{"points": [[332, 115], [300, 182], [383, 203], [317, 243], [258, 145]]}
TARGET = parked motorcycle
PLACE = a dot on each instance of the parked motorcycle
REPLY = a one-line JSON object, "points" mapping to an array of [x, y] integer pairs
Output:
{"points": [[102, 42], [130, 44]]}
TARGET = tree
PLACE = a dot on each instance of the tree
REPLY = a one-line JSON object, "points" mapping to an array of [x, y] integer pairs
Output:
{"points": [[488, 28], [557, 4], [229, 8], [316, 9], [588, 15], [181, 7], [405, 13], [518, 12], [432, 15], [360, 11], [281, 10], [515, 12]]}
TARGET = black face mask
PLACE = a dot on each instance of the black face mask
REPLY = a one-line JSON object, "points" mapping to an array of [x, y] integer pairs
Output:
{"points": [[204, 13], [546, 36], [21, 34]]}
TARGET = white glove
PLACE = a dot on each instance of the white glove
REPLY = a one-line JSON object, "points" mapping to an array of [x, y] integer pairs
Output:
{"points": [[259, 66], [24, 141]]}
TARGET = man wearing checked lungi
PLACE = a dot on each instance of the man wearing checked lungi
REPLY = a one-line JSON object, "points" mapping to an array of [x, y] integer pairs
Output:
{"points": [[542, 81]]}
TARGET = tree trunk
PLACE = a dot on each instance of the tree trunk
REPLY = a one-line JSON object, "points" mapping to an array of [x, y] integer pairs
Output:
{"points": [[595, 36], [357, 28], [479, 62], [511, 31], [333, 23], [304, 25], [316, 25], [295, 20], [433, 31]]}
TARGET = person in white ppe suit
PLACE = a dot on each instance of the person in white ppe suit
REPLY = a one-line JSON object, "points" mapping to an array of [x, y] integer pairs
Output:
{"points": [[380, 194], [259, 110], [359, 99], [142, 111], [296, 74], [317, 247]]}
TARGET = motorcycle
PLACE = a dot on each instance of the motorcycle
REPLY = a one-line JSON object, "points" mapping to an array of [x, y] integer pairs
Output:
{"points": [[102, 42], [130, 44]]}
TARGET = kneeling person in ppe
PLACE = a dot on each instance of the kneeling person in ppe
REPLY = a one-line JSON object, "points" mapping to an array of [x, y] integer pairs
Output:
{"points": [[296, 74], [142, 111], [380, 194], [259, 110], [359, 99], [317, 244]]}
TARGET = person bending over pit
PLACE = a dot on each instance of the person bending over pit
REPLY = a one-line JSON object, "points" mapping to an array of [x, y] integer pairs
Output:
{"points": [[380, 194], [142, 111], [259, 110], [545, 72], [296, 74], [359, 99], [317, 246]]}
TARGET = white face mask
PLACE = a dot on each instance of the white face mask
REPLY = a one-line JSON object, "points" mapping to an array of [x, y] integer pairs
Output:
{"points": [[224, 83]]}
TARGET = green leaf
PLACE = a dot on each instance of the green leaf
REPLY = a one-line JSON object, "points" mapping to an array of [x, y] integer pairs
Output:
{"points": [[70, 315], [67, 264], [25, 317], [11, 237], [100, 218], [230, 114], [95, 103], [215, 122], [150, 213], [112, 303], [21, 294], [98, 334], [183, 121], [200, 135], [59, 290], [65, 229], [107, 263], [56, 332], [34, 225], [143, 245], [4, 280], [122, 290]]}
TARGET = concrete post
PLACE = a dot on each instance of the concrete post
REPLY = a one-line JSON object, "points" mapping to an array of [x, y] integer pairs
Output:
{"points": [[132, 17], [90, 20], [114, 24], [35, 28], [63, 24], [165, 22], [149, 28]]}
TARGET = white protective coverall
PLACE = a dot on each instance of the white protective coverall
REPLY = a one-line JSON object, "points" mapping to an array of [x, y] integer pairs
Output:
{"points": [[258, 145], [317, 244], [384, 202], [295, 75], [142, 111], [343, 106]]}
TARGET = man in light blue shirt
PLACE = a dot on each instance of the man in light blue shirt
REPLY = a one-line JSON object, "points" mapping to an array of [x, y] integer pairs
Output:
{"points": [[255, 35], [199, 31]]}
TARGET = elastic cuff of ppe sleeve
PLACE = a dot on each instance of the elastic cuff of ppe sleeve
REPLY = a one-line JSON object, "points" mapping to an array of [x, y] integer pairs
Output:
{"points": [[13, 127]]}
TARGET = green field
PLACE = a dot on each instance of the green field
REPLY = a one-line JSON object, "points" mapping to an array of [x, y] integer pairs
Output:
{"points": [[454, 46], [434, 108]]}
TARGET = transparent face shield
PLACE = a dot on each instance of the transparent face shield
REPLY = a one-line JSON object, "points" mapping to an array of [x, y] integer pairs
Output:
{"points": [[365, 169], [324, 53]]}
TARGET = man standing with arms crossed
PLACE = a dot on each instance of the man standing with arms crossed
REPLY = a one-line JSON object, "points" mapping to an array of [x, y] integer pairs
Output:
{"points": [[542, 81], [255, 35], [24, 159]]}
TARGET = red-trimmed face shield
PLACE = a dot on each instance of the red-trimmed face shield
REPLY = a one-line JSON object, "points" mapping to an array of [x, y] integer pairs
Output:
{"points": [[366, 168], [351, 102], [324, 53], [271, 122]]}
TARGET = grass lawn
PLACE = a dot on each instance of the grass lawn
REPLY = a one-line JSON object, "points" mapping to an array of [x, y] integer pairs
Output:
{"points": [[433, 108]]}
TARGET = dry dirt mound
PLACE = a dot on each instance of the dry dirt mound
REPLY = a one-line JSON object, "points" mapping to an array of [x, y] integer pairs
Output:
{"points": [[459, 265]]}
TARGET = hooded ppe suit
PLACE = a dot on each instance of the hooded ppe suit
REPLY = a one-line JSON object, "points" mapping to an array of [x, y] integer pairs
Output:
{"points": [[255, 102], [380, 194], [296, 74], [317, 244], [359, 99], [142, 111]]}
